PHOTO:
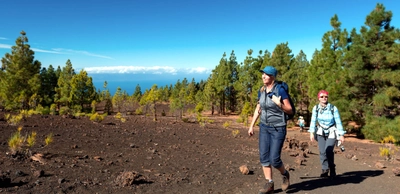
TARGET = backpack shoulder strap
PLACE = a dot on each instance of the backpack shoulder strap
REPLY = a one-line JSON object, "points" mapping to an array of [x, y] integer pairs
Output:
{"points": [[279, 85]]}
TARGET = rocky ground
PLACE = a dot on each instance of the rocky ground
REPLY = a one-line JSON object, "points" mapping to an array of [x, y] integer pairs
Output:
{"points": [[172, 156]]}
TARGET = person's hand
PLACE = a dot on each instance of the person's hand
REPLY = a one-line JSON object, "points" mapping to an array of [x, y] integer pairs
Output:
{"points": [[251, 131], [277, 100], [341, 138], [311, 137]]}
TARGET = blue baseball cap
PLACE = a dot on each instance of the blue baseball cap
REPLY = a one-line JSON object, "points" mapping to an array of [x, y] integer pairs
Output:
{"points": [[269, 70]]}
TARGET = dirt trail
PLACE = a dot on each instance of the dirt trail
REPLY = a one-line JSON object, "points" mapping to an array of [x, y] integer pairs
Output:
{"points": [[353, 175], [171, 156]]}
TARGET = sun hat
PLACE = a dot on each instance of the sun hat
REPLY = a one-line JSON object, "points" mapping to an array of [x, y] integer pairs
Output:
{"points": [[322, 92], [269, 70]]}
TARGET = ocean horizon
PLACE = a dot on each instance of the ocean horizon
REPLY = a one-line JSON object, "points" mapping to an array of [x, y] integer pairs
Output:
{"points": [[128, 82]]}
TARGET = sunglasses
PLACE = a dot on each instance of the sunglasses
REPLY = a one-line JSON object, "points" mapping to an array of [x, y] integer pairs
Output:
{"points": [[323, 97]]}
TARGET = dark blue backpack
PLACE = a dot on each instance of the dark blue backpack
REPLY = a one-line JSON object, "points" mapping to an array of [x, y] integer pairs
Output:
{"points": [[284, 85]]}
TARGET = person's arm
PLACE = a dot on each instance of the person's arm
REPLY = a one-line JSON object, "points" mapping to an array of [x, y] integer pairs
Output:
{"points": [[339, 127], [311, 128], [253, 121], [286, 107]]}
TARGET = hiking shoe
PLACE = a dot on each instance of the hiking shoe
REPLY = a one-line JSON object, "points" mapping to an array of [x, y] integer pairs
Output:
{"points": [[268, 188], [332, 173], [324, 173], [285, 180]]}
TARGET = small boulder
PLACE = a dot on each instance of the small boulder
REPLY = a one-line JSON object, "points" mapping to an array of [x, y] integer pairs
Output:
{"points": [[396, 171], [97, 158], [38, 173], [244, 170], [300, 160], [380, 165], [293, 153], [126, 178]]}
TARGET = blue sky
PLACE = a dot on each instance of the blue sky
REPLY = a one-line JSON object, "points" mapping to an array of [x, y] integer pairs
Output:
{"points": [[172, 36]]}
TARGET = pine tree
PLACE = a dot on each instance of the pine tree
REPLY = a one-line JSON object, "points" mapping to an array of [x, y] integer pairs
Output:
{"points": [[118, 99], [19, 77], [137, 94], [48, 84], [373, 62], [191, 92], [82, 89], [248, 74], [164, 93], [209, 94], [327, 72], [298, 80], [221, 76], [233, 77], [108, 107], [64, 85], [153, 98], [177, 100], [282, 60]]}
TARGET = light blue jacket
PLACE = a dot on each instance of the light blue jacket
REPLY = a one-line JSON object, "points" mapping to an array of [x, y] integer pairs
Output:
{"points": [[328, 123]]}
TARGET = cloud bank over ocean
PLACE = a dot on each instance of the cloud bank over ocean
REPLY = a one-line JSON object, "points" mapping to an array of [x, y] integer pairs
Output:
{"points": [[147, 70], [128, 77]]}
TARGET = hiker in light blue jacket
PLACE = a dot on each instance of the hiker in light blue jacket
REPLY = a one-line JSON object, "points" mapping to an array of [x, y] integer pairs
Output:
{"points": [[326, 128]]}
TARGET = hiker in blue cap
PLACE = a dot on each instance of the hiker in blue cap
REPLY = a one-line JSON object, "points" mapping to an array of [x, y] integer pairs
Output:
{"points": [[272, 132]]}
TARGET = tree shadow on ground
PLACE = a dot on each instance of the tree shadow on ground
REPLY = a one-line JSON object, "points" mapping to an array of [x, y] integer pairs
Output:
{"points": [[354, 177]]}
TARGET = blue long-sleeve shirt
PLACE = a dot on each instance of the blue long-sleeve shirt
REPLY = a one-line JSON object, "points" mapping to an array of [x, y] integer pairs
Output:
{"points": [[326, 119]]}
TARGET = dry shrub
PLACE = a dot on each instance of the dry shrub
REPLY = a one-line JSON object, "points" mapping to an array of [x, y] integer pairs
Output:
{"points": [[235, 133]]}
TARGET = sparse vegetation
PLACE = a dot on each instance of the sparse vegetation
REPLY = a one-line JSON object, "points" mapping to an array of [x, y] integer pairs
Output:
{"points": [[13, 119], [210, 121], [227, 124], [42, 110], [185, 119], [235, 132], [19, 144], [49, 139], [389, 139], [31, 140], [244, 115], [388, 151], [15, 142], [65, 110], [120, 117], [53, 109], [139, 111], [96, 117]]}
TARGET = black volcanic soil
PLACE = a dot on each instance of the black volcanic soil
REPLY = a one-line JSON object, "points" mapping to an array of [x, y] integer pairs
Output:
{"points": [[172, 156]]}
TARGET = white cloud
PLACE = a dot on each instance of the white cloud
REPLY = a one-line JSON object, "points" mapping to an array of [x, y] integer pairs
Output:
{"points": [[148, 70], [2, 38], [5, 46], [81, 52], [198, 70], [45, 51], [60, 51]]}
